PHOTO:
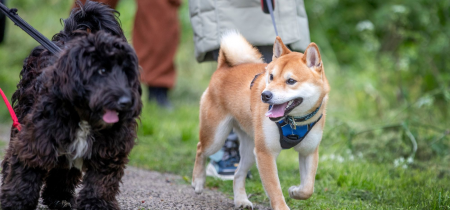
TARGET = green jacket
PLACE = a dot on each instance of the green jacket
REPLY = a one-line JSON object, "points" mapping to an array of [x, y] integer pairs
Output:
{"points": [[211, 18]]}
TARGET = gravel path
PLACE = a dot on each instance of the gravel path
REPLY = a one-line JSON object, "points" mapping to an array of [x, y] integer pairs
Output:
{"points": [[142, 189]]}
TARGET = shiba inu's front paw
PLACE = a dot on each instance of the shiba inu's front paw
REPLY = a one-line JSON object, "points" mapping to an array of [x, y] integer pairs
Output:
{"points": [[300, 192], [243, 203], [198, 186]]}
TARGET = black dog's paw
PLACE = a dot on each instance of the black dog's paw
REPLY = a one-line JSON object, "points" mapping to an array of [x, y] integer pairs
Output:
{"points": [[97, 204], [14, 202], [61, 200], [18, 206], [63, 204]]}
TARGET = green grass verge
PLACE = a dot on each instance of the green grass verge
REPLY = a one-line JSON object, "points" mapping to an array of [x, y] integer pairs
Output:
{"points": [[345, 180]]}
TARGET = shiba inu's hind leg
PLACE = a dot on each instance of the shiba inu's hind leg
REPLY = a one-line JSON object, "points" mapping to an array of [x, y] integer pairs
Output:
{"points": [[214, 129], [246, 147], [308, 167]]}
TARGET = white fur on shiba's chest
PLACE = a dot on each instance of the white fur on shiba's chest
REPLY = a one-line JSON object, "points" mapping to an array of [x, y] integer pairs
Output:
{"points": [[79, 147]]}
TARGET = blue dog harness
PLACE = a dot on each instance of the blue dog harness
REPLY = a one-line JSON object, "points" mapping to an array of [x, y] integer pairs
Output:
{"points": [[292, 134]]}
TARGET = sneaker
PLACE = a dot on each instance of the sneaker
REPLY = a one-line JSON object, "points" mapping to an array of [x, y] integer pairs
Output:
{"points": [[225, 167], [213, 169]]}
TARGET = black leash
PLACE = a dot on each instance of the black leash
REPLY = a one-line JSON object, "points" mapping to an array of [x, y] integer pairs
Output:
{"points": [[18, 21], [269, 7]]}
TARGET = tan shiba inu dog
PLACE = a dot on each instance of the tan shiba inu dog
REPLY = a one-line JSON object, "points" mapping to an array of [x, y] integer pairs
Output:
{"points": [[290, 95]]}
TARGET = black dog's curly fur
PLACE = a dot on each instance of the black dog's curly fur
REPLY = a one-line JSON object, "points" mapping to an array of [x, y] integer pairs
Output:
{"points": [[60, 102]]}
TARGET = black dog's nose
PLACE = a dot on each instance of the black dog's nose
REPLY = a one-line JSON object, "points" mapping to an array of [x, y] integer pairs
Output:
{"points": [[124, 102], [266, 96]]}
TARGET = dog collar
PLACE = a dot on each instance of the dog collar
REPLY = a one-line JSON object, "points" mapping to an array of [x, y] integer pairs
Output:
{"points": [[292, 121], [292, 134]]}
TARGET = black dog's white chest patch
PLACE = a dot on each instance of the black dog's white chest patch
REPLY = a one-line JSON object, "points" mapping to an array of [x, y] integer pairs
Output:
{"points": [[79, 148]]}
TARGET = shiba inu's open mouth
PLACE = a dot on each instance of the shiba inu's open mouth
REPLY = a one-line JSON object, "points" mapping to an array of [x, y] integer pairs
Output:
{"points": [[278, 111]]}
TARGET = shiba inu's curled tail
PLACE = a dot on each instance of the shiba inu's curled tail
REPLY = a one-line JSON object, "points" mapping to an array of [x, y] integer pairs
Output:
{"points": [[235, 50]]}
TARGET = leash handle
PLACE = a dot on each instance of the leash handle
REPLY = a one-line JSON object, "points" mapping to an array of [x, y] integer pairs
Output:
{"points": [[36, 35], [265, 7], [16, 123], [269, 4]]}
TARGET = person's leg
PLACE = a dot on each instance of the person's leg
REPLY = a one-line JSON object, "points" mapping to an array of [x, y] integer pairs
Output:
{"points": [[267, 52], [224, 163], [155, 38]]}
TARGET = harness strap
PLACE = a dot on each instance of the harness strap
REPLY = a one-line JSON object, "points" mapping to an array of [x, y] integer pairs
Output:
{"points": [[288, 141], [16, 123], [254, 78], [18, 21]]}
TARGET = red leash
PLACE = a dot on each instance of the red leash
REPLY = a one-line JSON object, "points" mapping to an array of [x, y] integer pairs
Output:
{"points": [[16, 123]]}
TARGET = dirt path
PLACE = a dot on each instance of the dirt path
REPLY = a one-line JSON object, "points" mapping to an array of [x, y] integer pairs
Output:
{"points": [[153, 190], [142, 189]]}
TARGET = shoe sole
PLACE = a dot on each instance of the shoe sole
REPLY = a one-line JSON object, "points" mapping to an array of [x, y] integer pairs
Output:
{"points": [[211, 171]]}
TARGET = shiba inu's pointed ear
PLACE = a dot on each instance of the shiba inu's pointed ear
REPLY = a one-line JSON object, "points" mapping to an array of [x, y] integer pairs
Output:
{"points": [[312, 57], [279, 49]]}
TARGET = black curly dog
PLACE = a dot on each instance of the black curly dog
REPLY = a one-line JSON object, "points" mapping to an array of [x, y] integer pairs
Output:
{"points": [[78, 113]]}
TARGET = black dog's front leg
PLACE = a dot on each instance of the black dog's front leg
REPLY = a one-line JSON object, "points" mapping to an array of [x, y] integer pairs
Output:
{"points": [[100, 186], [32, 152], [21, 186], [59, 189]]}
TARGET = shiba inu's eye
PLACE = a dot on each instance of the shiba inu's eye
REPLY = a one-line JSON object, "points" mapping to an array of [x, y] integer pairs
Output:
{"points": [[270, 77], [101, 71], [291, 81]]}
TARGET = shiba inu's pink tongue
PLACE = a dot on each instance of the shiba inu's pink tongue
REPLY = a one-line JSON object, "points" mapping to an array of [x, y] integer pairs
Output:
{"points": [[111, 116], [277, 110]]}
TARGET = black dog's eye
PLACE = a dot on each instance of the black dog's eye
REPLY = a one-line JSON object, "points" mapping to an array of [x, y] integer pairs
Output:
{"points": [[102, 71], [291, 81], [271, 77]]}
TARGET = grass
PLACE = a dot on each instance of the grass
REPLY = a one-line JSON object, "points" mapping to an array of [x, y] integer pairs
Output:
{"points": [[345, 180], [367, 159]]}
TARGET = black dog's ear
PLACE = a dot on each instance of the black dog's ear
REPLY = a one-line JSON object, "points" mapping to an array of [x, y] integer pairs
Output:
{"points": [[67, 76], [134, 79], [135, 83]]}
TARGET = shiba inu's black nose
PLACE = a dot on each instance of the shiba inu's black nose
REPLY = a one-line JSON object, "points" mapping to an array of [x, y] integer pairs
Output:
{"points": [[266, 96]]}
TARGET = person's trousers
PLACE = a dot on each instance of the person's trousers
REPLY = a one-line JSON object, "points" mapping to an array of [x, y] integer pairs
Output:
{"points": [[156, 36]]}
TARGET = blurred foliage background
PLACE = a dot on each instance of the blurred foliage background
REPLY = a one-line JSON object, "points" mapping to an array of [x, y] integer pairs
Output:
{"points": [[386, 142], [391, 61]]}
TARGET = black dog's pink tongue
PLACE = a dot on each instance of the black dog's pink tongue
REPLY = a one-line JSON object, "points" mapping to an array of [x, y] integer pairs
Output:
{"points": [[277, 110], [111, 116]]}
